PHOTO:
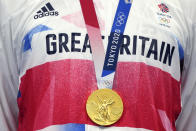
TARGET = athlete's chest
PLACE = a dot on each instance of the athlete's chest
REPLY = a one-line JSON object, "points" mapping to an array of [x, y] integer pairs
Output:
{"points": [[157, 18], [55, 30]]}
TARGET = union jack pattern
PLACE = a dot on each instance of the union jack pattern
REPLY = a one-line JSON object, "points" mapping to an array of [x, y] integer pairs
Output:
{"points": [[163, 8]]}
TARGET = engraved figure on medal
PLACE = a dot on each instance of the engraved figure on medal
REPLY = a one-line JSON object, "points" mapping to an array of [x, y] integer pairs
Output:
{"points": [[103, 110]]}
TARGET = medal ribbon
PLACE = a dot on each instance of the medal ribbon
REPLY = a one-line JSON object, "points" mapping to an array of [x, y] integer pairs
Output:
{"points": [[105, 70]]}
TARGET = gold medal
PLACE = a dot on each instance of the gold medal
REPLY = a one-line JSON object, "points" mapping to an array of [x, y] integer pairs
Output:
{"points": [[104, 107]]}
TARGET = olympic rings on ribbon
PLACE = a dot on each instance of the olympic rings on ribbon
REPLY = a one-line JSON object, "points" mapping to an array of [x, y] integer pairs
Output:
{"points": [[120, 19]]}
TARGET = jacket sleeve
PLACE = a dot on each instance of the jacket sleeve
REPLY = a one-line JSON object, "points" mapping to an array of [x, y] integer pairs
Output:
{"points": [[187, 119], [8, 85], [8, 71]]}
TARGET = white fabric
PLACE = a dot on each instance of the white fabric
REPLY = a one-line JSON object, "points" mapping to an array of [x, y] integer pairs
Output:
{"points": [[94, 128], [9, 68], [186, 121]]}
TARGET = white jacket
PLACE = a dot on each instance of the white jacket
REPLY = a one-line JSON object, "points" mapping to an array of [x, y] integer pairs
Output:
{"points": [[46, 65]]}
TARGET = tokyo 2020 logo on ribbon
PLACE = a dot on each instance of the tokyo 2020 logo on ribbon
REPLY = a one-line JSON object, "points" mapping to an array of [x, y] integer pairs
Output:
{"points": [[128, 1]]}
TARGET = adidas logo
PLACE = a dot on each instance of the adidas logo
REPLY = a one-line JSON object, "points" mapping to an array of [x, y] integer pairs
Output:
{"points": [[46, 10]]}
